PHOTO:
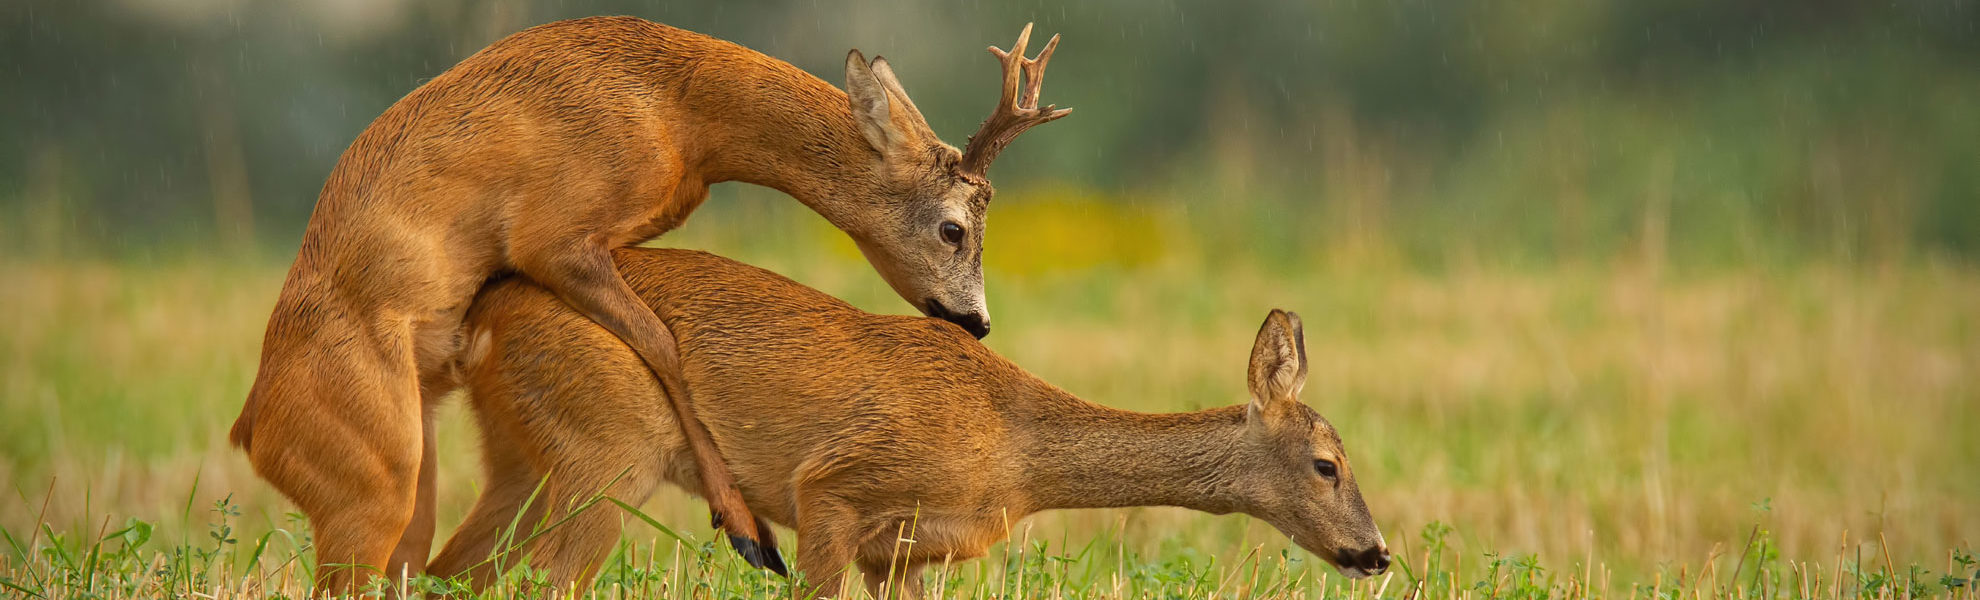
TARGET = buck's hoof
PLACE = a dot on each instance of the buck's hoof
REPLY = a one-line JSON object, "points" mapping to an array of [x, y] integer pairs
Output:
{"points": [[759, 555], [774, 561]]}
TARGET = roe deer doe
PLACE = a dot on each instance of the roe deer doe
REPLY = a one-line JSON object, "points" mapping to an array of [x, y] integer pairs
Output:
{"points": [[540, 154], [848, 426]]}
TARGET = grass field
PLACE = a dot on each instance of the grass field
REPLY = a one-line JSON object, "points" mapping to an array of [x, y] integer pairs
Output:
{"points": [[1625, 427]]}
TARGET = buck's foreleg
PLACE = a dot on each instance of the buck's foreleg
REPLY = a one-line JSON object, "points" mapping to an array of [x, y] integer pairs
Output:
{"points": [[583, 276]]}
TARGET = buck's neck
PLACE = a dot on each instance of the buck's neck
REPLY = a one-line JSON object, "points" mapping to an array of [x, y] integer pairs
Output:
{"points": [[1080, 455], [762, 121]]}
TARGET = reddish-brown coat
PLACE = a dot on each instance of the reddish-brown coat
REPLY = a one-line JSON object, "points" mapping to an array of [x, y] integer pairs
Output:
{"points": [[539, 155], [849, 426]]}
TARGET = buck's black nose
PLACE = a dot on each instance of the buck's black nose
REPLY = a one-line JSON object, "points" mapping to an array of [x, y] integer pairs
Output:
{"points": [[975, 323]]}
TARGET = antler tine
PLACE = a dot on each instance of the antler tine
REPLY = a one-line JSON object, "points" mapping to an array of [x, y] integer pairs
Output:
{"points": [[1017, 103], [1034, 73], [1024, 37], [1014, 69]]}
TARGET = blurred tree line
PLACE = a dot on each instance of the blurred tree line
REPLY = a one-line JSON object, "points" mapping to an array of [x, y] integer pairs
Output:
{"points": [[1544, 130]]}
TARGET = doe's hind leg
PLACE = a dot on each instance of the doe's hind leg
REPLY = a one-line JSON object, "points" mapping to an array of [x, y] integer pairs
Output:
{"points": [[550, 465], [582, 524], [568, 524], [901, 580], [828, 541], [583, 276], [511, 483]]}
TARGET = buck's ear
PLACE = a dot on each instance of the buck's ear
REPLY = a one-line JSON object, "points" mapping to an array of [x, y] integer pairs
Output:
{"points": [[899, 102], [869, 104], [1278, 361]]}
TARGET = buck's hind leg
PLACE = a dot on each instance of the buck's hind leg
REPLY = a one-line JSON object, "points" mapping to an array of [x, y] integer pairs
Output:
{"points": [[416, 542], [337, 429], [435, 353]]}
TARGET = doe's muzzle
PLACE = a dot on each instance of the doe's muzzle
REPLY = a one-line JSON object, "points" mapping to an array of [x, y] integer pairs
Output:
{"points": [[1367, 562]]}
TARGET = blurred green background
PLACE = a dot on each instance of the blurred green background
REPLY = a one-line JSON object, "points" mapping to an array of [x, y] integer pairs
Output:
{"points": [[1584, 278], [1528, 131]]}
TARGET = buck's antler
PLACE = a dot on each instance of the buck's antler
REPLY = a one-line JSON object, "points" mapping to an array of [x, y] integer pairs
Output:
{"points": [[1014, 113]]}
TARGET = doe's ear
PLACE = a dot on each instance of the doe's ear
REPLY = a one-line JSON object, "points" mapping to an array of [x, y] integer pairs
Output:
{"points": [[869, 103], [1278, 361]]}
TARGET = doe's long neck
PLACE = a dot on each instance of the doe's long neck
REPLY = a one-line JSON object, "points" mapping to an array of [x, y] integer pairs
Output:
{"points": [[762, 121], [1080, 455]]}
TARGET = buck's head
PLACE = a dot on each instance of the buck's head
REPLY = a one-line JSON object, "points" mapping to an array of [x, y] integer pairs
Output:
{"points": [[922, 225], [1296, 474]]}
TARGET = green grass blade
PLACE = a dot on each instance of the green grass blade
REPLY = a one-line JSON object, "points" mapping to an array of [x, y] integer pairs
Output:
{"points": [[9, 584], [655, 523]]}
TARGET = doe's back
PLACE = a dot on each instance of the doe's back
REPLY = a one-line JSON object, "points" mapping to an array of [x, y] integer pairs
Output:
{"points": [[794, 385]]}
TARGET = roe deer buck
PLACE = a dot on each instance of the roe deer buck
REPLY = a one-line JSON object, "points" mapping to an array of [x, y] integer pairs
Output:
{"points": [[848, 426], [540, 154]]}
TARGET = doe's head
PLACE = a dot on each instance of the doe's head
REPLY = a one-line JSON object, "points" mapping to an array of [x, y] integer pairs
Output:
{"points": [[1296, 474], [923, 227]]}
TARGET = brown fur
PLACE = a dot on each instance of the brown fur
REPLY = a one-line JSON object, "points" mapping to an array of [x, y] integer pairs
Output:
{"points": [[540, 154], [848, 426]]}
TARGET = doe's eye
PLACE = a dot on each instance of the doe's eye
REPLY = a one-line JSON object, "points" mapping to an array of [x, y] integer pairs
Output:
{"points": [[1326, 468], [952, 233]]}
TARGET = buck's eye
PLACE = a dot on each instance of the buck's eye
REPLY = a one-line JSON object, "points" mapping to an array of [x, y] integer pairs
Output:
{"points": [[952, 233], [1326, 468]]}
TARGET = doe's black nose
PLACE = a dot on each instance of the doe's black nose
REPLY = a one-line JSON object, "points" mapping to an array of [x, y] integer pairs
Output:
{"points": [[1374, 559]]}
